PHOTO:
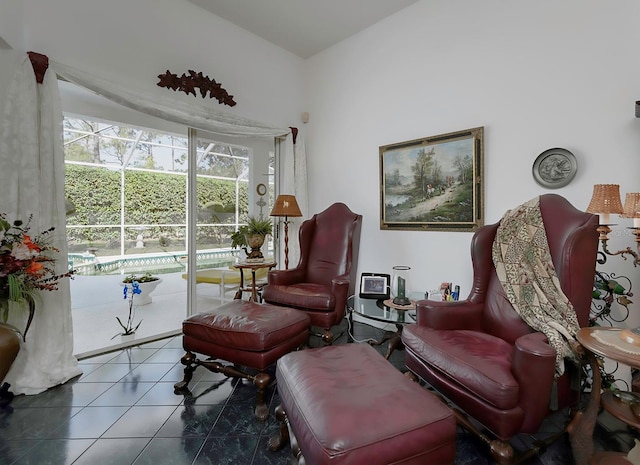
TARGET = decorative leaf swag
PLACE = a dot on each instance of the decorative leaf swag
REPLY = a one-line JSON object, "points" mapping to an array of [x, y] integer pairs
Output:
{"points": [[187, 84]]}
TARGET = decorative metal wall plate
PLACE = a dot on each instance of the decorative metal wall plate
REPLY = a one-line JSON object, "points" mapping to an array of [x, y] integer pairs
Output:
{"points": [[555, 168]]}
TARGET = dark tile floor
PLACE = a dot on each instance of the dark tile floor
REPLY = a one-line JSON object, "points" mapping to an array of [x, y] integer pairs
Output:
{"points": [[123, 410]]}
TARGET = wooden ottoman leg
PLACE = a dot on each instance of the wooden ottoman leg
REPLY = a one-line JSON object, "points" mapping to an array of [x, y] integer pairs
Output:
{"points": [[261, 380], [278, 442], [286, 436], [298, 458]]}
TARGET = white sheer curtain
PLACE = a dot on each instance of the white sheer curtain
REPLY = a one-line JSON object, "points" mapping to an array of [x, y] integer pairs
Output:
{"points": [[192, 114], [294, 173], [32, 161]]}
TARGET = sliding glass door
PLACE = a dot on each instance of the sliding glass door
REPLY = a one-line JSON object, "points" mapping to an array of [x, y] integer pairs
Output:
{"points": [[226, 179], [137, 211]]}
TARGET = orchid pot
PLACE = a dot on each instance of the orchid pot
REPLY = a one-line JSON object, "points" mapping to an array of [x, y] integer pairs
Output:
{"points": [[147, 284]]}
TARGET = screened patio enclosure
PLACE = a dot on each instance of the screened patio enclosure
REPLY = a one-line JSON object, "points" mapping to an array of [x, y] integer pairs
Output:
{"points": [[127, 197]]}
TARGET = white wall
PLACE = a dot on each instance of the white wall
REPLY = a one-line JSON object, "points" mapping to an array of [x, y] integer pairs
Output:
{"points": [[536, 75], [11, 14], [132, 43]]}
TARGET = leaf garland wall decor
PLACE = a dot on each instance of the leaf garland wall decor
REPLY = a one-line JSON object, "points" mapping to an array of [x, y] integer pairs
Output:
{"points": [[187, 84]]}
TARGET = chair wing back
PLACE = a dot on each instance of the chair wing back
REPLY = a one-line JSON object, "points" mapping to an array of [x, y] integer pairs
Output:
{"points": [[568, 229], [329, 245]]}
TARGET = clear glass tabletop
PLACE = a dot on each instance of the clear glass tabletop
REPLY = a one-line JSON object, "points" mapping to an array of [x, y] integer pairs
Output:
{"points": [[376, 310]]}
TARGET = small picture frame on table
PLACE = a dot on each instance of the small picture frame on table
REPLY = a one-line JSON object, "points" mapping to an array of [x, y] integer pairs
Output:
{"points": [[374, 285]]}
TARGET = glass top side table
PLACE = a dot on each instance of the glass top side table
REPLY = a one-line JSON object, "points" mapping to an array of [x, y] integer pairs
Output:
{"points": [[373, 309]]}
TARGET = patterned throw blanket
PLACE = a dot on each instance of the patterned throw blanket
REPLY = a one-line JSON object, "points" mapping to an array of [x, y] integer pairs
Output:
{"points": [[525, 270]]}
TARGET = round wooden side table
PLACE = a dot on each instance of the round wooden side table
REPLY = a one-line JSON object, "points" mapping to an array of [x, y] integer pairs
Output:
{"points": [[588, 338], [253, 288]]}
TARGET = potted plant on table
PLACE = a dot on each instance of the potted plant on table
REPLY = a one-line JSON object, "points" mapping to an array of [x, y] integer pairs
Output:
{"points": [[252, 235], [146, 283]]}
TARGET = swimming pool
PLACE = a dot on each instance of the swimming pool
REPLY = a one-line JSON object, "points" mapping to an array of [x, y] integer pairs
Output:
{"points": [[88, 264]]}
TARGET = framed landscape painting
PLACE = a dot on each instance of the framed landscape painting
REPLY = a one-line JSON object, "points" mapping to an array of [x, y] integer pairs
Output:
{"points": [[434, 184]]}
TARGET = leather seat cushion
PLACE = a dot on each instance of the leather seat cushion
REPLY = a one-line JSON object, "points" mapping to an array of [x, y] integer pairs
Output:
{"points": [[478, 362], [246, 326], [310, 296], [346, 404]]}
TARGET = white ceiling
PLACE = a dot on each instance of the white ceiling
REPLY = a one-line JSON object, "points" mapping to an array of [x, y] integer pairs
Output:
{"points": [[303, 27]]}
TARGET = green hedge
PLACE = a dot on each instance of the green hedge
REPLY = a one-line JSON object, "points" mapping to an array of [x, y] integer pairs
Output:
{"points": [[150, 198]]}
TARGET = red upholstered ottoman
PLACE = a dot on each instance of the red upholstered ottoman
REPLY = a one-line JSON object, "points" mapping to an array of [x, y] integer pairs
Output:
{"points": [[247, 334], [347, 405]]}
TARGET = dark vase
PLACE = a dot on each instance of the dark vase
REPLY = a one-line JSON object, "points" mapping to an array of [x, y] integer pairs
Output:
{"points": [[4, 303]]}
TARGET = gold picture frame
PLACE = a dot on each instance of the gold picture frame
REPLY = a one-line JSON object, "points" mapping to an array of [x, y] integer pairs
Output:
{"points": [[433, 184]]}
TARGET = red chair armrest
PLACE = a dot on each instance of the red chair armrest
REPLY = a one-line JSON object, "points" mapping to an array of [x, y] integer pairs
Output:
{"points": [[535, 344], [340, 289], [534, 365], [460, 314]]}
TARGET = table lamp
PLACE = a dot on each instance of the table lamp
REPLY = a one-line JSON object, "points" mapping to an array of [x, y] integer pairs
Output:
{"points": [[605, 201], [286, 205]]}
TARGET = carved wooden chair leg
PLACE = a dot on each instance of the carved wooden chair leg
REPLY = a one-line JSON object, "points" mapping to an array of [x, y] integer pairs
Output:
{"points": [[327, 337], [538, 447], [190, 363], [501, 451], [278, 442]]}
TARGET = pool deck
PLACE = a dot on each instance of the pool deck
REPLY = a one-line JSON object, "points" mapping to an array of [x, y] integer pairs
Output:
{"points": [[159, 262], [97, 300]]}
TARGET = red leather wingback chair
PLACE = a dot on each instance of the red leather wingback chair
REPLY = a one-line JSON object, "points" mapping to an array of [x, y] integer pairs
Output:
{"points": [[326, 273], [479, 353]]}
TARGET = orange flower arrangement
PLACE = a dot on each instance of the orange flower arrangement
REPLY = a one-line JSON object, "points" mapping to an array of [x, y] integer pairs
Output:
{"points": [[26, 265]]}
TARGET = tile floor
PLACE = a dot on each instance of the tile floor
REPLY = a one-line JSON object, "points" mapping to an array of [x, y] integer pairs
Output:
{"points": [[122, 410]]}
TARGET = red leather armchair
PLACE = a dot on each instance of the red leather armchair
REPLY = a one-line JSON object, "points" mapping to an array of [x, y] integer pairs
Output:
{"points": [[479, 353], [326, 273]]}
